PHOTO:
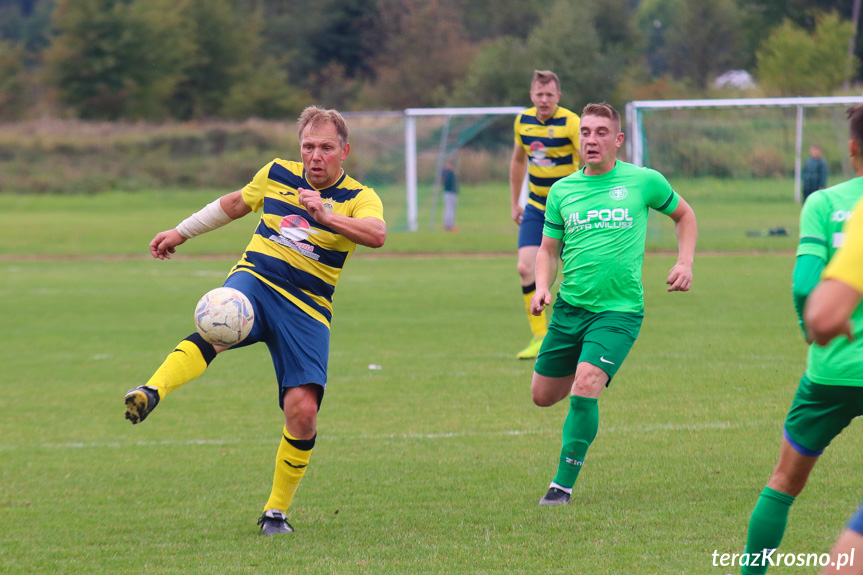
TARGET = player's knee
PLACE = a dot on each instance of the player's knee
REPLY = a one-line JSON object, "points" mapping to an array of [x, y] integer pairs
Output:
{"points": [[301, 423], [589, 381], [301, 412], [544, 401], [525, 270], [543, 396]]}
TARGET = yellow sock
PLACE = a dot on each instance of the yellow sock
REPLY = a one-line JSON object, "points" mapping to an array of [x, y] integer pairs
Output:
{"points": [[188, 360], [291, 463], [538, 325]]}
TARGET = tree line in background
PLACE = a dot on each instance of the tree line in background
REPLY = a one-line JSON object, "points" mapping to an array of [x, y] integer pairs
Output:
{"points": [[194, 59]]}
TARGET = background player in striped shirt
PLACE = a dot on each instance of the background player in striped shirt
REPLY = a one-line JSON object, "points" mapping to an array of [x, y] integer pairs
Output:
{"points": [[312, 217], [546, 148]]}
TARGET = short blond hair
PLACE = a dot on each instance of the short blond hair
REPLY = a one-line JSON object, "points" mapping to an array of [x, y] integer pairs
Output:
{"points": [[315, 115], [545, 77]]}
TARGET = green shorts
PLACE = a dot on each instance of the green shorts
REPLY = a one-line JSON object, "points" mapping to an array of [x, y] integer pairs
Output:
{"points": [[574, 335], [819, 413]]}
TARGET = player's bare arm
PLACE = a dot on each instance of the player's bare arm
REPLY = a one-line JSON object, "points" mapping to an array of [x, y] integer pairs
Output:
{"points": [[828, 310], [233, 207], [370, 232], [546, 273], [686, 229], [517, 171]]}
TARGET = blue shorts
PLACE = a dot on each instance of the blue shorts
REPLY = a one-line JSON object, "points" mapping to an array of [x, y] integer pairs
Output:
{"points": [[298, 343], [530, 231], [856, 523]]}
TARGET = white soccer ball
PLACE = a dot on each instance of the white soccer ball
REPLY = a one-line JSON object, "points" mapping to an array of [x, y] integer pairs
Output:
{"points": [[224, 316]]}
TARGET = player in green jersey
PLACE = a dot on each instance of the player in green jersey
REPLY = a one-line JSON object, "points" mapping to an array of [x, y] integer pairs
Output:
{"points": [[828, 315], [599, 216], [830, 393]]}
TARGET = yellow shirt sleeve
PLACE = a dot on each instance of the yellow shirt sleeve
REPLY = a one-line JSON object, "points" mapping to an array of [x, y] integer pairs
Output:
{"points": [[847, 265], [255, 191], [368, 204]]}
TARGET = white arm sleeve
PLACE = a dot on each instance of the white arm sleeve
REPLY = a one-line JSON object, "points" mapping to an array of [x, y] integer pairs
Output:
{"points": [[211, 217]]}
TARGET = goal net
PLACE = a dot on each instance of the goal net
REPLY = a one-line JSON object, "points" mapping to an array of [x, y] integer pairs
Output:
{"points": [[739, 138], [480, 139], [402, 155], [738, 162]]}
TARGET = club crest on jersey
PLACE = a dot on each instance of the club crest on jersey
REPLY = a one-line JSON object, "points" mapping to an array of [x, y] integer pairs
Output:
{"points": [[293, 231], [329, 205], [551, 132], [618, 193]]}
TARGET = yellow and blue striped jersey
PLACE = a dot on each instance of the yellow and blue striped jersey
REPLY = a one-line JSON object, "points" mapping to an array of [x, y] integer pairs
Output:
{"points": [[290, 251], [552, 149]]}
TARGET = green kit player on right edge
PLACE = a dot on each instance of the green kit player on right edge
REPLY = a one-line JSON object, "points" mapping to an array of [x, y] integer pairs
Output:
{"points": [[830, 393], [599, 216]]}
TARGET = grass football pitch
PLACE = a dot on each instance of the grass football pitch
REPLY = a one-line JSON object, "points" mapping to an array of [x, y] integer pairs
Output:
{"points": [[433, 463]]}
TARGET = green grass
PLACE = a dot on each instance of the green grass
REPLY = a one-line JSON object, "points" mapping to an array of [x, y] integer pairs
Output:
{"points": [[124, 223], [433, 464]]}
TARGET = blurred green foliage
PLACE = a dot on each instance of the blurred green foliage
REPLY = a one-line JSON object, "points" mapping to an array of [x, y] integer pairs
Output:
{"points": [[220, 59]]}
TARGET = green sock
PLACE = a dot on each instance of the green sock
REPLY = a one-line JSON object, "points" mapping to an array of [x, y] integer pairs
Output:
{"points": [[766, 528], [579, 430]]}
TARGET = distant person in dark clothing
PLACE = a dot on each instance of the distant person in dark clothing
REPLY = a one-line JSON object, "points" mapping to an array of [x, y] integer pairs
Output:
{"points": [[450, 196], [814, 173]]}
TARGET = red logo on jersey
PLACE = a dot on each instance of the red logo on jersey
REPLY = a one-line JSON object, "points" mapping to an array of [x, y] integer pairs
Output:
{"points": [[295, 228]]}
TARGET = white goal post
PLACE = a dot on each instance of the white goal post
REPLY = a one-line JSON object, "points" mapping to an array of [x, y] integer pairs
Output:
{"points": [[635, 133], [411, 115]]}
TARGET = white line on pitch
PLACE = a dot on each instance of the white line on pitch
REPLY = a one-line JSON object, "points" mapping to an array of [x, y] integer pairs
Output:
{"points": [[651, 428]]}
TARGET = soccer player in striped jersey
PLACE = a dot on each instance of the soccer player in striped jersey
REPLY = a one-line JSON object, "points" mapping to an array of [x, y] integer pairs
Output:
{"points": [[312, 217], [546, 149], [830, 393]]}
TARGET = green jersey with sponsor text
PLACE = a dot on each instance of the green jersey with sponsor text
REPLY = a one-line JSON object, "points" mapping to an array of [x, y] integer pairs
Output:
{"points": [[602, 221], [825, 212]]}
